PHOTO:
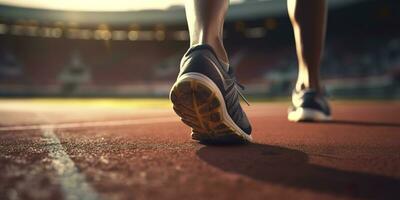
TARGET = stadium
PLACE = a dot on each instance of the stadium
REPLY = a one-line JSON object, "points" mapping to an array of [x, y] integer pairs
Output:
{"points": [[84, 112], [137, 53]]}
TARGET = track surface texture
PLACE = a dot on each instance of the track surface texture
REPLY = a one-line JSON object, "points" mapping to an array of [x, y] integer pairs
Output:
{"points": [[64, 150]]}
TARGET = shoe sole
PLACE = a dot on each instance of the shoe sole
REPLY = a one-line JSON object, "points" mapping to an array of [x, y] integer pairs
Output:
{"points": [[200, 105], [304, 114]]}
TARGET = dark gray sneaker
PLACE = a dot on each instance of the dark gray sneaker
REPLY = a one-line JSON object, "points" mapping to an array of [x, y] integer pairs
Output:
{"points": [[206, 97], [308, 105]]}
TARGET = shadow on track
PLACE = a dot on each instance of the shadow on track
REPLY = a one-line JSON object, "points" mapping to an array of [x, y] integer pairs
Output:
{"points": [[290, 167], [362, 123]]}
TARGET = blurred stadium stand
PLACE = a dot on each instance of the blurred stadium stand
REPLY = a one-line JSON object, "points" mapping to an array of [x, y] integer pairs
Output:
{"points": [[137, 53]]}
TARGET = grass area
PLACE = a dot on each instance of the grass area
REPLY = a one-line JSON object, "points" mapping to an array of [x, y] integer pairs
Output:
{"points": [[93, 102], [146, 102]]}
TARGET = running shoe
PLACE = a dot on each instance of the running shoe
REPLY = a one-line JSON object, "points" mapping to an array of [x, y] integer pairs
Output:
{"points": [[308, 105], [206, 97]]}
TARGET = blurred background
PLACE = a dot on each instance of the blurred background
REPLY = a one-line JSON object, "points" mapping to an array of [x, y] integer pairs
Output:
{"points": [[120, 48]]}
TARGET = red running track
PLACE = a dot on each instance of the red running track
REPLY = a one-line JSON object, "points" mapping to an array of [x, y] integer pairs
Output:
{"points": [[148, 154]]}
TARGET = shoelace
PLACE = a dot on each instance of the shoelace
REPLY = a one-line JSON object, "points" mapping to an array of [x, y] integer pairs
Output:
{"points": [[239, 87]]}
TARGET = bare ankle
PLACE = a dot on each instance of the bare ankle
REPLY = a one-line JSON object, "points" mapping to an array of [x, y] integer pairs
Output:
{"points": [[217, 45]]}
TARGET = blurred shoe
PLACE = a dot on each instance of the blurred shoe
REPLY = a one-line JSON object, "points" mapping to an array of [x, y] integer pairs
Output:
{"points": [[206, 97], [308, 105]]}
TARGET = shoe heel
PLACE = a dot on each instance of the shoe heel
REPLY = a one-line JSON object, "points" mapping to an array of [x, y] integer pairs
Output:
{"points": [[307, 115], [199, 107]]}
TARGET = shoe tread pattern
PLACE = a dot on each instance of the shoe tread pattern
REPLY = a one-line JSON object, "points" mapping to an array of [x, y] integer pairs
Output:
{"points": [[199, 108]]}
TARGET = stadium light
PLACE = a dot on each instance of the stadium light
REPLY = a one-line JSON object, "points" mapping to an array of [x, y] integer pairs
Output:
{"points": [[102, 34], [45, 32], [133, 35], [101, 5]]}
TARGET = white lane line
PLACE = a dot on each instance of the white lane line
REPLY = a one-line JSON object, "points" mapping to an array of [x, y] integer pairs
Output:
{"points": [[91, 124], [73, 184]]}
